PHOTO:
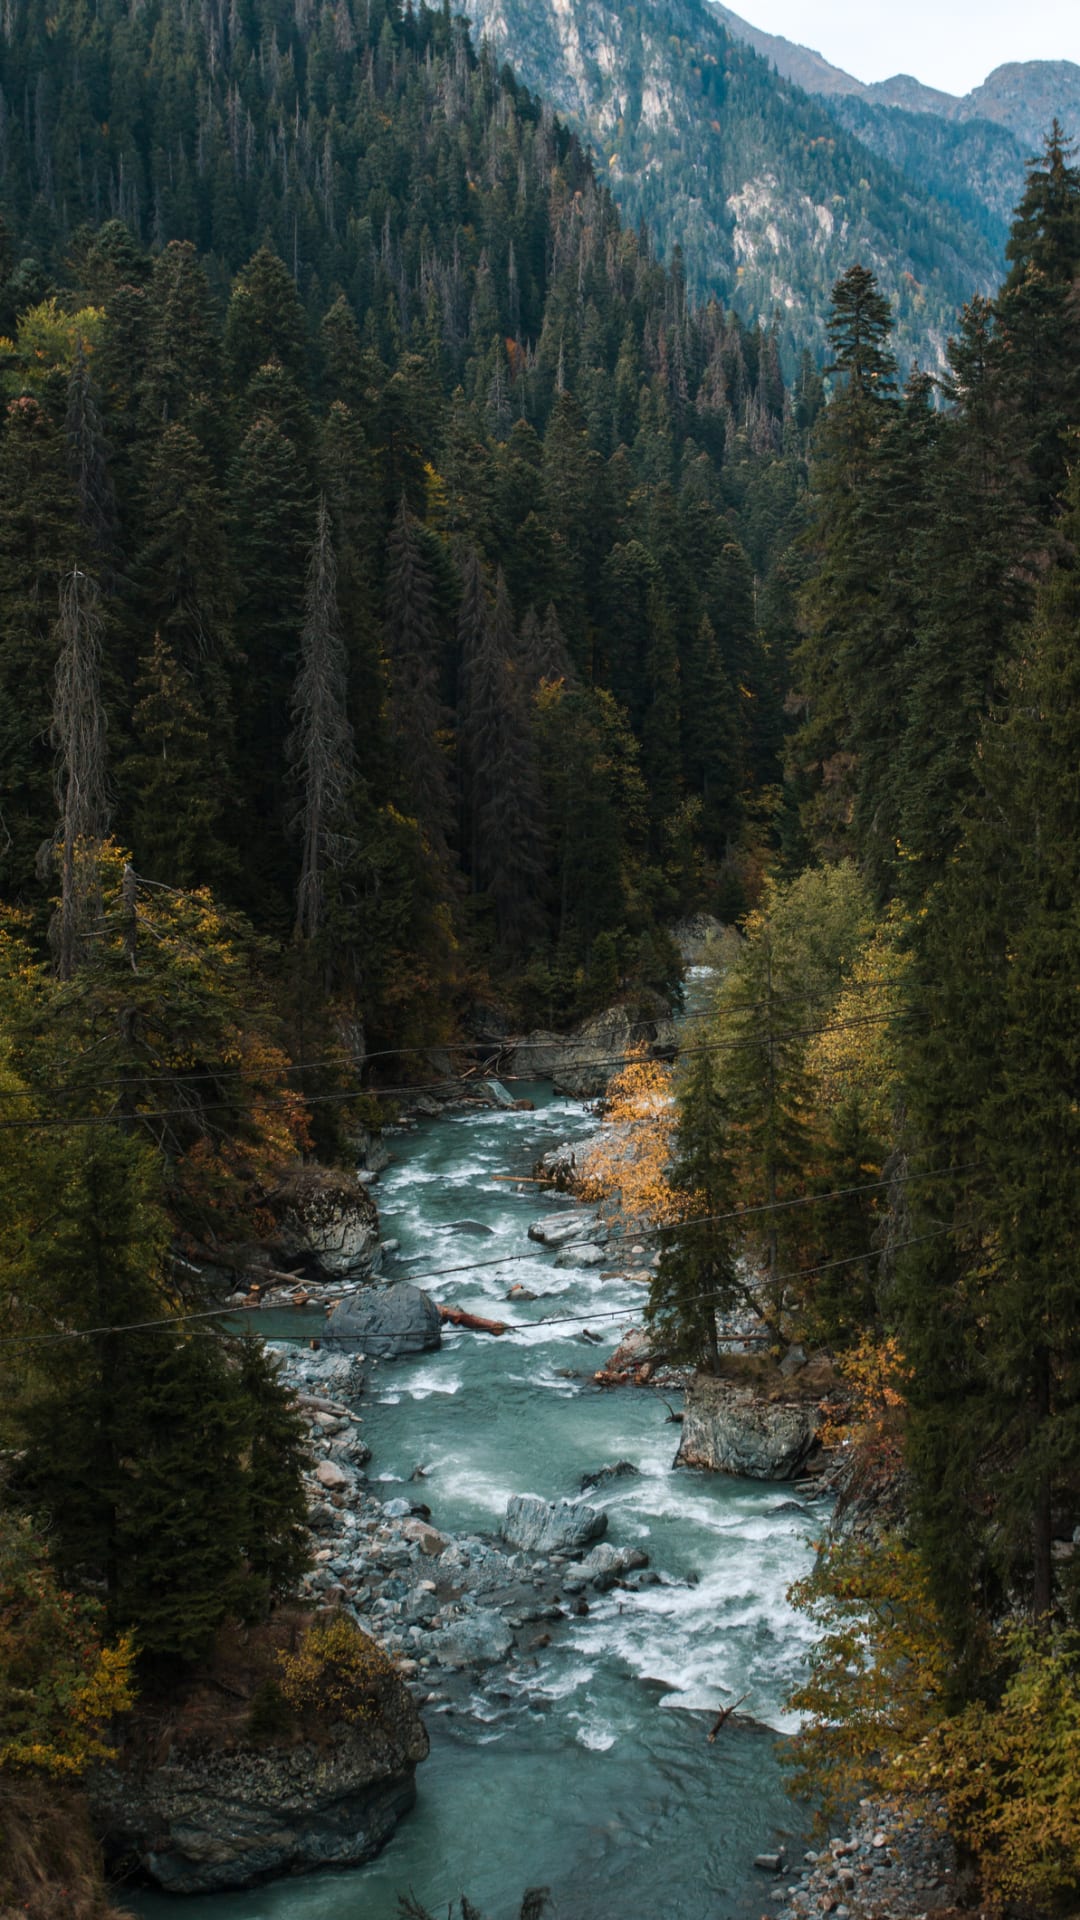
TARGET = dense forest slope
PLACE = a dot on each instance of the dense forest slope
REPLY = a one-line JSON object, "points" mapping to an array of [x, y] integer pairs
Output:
{"points": [[769, 199], [971, 151], [431, 526]]}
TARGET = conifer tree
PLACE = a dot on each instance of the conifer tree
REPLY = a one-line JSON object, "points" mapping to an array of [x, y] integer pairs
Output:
{"points": [[320, 746], [176, 786], [990, 1310], [413, 651], [78, 736], [698, 1274]]}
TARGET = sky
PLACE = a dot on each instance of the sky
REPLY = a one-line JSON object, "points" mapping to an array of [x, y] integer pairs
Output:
{"points": [[951, 44]]}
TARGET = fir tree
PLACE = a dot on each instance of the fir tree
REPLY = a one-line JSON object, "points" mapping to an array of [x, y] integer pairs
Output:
{"points": [[321, 744]]}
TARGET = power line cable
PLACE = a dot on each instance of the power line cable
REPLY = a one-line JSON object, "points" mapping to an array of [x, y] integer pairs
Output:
{"points": [[434, 1086]]}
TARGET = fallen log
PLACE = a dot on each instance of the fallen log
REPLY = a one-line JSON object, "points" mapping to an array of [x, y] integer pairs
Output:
{"points": [[457, 1317]]}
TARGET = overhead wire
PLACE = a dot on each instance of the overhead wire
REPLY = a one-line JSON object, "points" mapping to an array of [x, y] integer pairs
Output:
{"points": [[473, 1266], [342, 1096]]}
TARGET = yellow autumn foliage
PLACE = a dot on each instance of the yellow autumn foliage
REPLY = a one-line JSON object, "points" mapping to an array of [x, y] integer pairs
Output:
{"points": [[626, 1167], [338, 1673]]}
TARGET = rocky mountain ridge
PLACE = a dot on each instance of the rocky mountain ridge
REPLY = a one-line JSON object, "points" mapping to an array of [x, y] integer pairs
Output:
{"points": [[768, 198], [1022, 96], [774, 170]]}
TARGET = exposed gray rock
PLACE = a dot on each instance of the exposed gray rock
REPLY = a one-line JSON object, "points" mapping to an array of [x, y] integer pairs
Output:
{"points": [[604, 1566], [559, 1165], [544, 1526], [733, 1429], [387, 1322], [476, 1640], [327, 1220], [586, 1255], [563, 1229], [582, 1062], [701, 939], [633, 1350], [200, 1823]]}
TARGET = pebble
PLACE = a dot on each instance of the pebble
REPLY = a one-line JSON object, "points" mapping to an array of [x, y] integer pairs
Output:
{"points": [[905, 1870]]}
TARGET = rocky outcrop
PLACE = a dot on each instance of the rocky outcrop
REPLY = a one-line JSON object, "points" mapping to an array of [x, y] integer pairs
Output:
{"points": [[740, 1428], [573, 1228], [582, 1062], [604, 1567], [327, 1224], [204, 1821], [702, 939], [546, 1526], [479, 1639], [387, 1322]]}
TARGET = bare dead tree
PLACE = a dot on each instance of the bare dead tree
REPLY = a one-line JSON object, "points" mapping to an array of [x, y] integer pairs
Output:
{"points": [[320, 747], [78, 735]]}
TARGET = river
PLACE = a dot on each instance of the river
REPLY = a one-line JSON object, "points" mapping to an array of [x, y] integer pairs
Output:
{"points": [[585, 1765]]}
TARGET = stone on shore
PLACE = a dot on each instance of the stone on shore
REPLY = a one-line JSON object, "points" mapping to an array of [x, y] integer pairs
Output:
{"points": [[205, 1821], [386, 1322], [582, 1062], [546, 1526]]}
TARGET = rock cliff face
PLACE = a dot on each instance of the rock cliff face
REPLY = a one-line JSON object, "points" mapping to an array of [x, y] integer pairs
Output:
{"points": [[582, 1062], [204, 1821], [327, 1224], [736, 1428]]}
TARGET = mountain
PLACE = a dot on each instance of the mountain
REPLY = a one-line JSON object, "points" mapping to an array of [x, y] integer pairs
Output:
{"points": [[971, 150], [768, 197], [1023, 96]]}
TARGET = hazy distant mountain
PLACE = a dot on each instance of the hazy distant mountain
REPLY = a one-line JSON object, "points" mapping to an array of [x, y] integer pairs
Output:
{"points": [[1023, 96], [768, 195], [971, 150]]}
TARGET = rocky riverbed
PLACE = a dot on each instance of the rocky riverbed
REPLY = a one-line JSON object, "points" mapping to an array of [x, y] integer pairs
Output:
{"points": [[885, 1867], [449, 1607]]}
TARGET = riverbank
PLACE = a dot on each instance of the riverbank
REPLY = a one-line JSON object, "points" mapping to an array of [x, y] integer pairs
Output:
{"points": [[578, 1758]]}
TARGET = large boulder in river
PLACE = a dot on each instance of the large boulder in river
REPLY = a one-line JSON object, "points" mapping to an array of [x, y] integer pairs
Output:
{"points": [[737, 1427], [546, 1526], [327, 1223], [475, 1640], [386, 1322], [582, 1062]]}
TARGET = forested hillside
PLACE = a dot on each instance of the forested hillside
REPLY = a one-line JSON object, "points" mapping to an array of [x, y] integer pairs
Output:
{"points": [[767, 195], [881, 1115], [428, 528]]}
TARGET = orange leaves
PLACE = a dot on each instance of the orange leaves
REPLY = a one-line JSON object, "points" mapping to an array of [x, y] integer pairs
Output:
{"points": [[628, 1163]]}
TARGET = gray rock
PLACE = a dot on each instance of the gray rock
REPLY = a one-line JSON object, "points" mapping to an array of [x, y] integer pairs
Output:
{"points": [[581, 1256], [604, 1566], [475, 1227], [204, 1822], [730, 1429], [558, 1229], [702, 940], [618, 1470], [476, 1640], [387, 1322], [544, 1526], [327, 1219], [559, 1165], [633, 1350], [582, 1062]]}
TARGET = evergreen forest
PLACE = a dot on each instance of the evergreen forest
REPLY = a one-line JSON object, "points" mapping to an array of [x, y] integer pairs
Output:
{"points": [[415, 601]]}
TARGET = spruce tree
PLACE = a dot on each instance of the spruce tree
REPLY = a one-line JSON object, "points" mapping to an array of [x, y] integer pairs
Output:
{"points": [[417, 717], [990, 1314], [320, 747]]}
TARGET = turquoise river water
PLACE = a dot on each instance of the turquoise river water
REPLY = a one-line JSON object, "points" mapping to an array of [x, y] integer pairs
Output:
{"points": [[585, 1767]]}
